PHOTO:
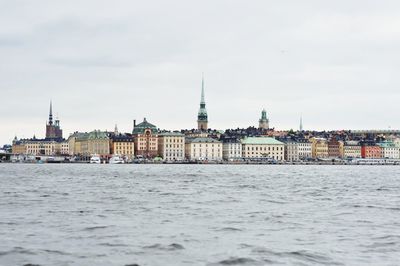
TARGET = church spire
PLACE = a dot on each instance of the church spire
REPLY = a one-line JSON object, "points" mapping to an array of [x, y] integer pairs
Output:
{"points": [[51, 113], [202, 117], [202, 90], [301, 123]]}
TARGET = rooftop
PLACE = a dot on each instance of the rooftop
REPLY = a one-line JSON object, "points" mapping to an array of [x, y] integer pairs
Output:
{"points": [[202, 140], [261, 141], [171, 134]]}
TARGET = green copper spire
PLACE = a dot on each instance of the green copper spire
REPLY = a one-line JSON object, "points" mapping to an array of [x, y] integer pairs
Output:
{"points": [[264, 121]]}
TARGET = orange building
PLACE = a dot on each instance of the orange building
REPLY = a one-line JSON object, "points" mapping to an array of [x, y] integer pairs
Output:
{"points": [[145, 139], [370, 152]]}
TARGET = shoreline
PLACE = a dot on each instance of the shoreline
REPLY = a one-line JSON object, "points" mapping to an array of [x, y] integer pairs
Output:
{"points": [[380, 163]]}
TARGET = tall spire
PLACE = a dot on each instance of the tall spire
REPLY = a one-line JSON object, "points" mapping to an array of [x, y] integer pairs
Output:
{"points": [[202, 117], [202, 89], [51, 113], [301, 123]]}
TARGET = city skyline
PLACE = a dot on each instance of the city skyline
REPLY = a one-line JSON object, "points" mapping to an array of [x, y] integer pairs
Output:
{"points": [[333, 64]]}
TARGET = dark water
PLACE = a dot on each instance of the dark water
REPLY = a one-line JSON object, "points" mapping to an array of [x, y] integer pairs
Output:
{"points": [[199, 215]]}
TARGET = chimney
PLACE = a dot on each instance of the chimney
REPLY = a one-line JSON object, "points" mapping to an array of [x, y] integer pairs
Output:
{"points": [[134, 123]]}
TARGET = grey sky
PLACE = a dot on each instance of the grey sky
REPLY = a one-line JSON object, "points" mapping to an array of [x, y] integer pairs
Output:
{"points": [[108, 62]]}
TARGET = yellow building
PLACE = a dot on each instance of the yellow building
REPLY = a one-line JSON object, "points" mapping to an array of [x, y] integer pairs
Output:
{"points": [[263, 147], [171, 146], [98, 142], [87, 144], [77, 143], [18, 148], [319, 148], [123, 145], [203, 149]]}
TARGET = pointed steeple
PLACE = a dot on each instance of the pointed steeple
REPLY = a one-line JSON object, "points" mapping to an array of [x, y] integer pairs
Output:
{"points": [[202, 117], [116, 129], [51, 113], [301, 123], [202, 90]]}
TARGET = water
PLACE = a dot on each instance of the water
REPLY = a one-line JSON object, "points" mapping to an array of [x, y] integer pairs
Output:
{"points": [[199, 215]]}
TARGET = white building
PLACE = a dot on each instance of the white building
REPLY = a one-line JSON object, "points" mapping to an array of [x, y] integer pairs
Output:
{"points": [[231, 150], [171, 146], [304, 149], [64, 148], [389, 150], [263, 147], [203, 149], [350, 149], [291, 150]]}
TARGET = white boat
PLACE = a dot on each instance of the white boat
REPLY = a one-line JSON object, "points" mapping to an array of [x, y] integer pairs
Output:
{"points": [[116, 159], [95, 159]]}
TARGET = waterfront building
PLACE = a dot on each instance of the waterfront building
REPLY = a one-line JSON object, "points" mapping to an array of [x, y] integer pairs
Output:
{"points": [[333, 148], [203, 149], [304, 149], [64, 147], [171, 146], [77, 143], [319, 148], [146, 139], [389, 150], [53, 130], [98, 142], [231, 149], [18, 147], [291, 150], [263, 147], [263, 123], [370, 151], [202, 117], [122, 144], [45, 147], [349, 149]]}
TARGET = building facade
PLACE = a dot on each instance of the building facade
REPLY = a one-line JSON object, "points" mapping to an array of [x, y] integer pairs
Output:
{"points": [[171, 146], [122, 144], [350, 149], [389, 150], [231, 149], [146, 139], [371, 152], [304, 149], [291, 150], [333, 148], [203, 149], [319, 148], [263, 147], [98, 142]]}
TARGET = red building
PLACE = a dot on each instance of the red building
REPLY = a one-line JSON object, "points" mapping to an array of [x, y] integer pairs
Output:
{"points": [[53, 130], [371, 152]]}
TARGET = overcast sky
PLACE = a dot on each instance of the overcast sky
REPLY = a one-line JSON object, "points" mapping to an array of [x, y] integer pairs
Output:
{"points": [[102, 63]]}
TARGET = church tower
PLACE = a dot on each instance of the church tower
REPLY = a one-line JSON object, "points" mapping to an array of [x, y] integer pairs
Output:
{"points": [[264, 121], [202, 117], [53, 130]]}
